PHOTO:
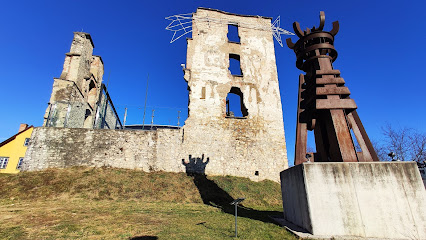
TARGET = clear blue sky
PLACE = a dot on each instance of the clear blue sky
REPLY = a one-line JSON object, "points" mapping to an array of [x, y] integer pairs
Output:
{"points": [[379, 46]]}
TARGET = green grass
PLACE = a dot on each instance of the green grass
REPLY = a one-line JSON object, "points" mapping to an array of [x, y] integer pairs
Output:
{"points": [[107, 203]]}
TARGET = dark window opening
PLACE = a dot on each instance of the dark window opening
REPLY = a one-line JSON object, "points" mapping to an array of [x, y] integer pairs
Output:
{"points": [[92, 85], [92, 94], [233, 33], [234, 64], [87, 114], [235, 104], [256, 173]]}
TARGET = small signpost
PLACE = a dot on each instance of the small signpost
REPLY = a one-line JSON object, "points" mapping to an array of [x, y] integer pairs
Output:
{"points": [[235, 203]]}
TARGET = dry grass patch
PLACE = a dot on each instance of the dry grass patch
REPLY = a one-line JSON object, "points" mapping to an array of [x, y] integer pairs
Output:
{"points": [[106, 203]]}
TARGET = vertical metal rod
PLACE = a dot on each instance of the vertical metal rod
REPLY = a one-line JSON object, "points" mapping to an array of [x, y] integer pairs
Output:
{"points": [[152, 118], [125, 116], [227, 107], [144, 109], [236, 231], [178, 118]]}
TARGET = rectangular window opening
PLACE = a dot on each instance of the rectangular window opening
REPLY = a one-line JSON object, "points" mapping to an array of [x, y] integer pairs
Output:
{"points": [[3, 162], [233, 33], [234, 65]]}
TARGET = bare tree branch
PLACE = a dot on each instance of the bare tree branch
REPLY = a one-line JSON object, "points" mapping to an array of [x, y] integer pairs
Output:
{"points": [[398, 141], [381, 151], [418, 145]]}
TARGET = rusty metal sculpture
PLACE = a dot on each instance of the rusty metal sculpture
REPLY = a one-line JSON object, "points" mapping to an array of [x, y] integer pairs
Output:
{"points": [[324, 105]]}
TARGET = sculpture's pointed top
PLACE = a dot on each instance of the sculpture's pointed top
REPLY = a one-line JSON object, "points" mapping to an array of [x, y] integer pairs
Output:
{"points": [[300, 33]]}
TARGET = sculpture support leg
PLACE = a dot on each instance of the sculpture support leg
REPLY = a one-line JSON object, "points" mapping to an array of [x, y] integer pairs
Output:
{"points": [[301, 130], [369, 154], [343, 136]]}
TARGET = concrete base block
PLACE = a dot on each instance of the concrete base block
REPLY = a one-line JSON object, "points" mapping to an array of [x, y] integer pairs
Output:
{"points": [[384, 200]]}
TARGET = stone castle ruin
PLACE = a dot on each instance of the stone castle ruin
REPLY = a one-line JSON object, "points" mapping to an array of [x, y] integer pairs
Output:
{"points": [[79, 98], [252, 145]]}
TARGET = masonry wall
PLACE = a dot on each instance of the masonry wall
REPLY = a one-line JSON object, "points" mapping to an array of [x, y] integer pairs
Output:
{"points": [[159, 150], [210, 142], [66, 147], [79, 86], [254, 145]]}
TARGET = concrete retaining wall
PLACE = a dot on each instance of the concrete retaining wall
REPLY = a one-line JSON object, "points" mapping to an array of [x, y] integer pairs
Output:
{"points": [[375, 200]]}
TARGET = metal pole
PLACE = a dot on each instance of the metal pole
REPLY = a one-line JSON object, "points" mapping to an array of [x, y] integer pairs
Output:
{"points": [[152, 118], [144, 109], [236, 232], [178, 118], [125, 116]]}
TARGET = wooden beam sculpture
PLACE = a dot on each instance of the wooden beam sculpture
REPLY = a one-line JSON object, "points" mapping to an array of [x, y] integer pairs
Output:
{"points": [[324, 104]]}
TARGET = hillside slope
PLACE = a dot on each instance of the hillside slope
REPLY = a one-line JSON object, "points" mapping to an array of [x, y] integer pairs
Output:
{"points": [[108, 203]]}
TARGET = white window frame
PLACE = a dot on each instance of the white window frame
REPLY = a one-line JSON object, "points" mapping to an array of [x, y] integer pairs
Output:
{"points": [[21, 159], [3, 162], [26, 142]]}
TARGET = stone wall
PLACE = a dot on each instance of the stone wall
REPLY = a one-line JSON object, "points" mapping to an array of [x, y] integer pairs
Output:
{"points": [[79, 86], [66, 147], [158, 150], [212, 141], [252, 145]]}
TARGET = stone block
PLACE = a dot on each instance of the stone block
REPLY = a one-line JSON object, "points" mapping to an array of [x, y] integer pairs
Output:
{"points": [[385, 200]]}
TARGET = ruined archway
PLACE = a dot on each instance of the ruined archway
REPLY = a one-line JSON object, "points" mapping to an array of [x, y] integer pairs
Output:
{"points": [[235, 106]]}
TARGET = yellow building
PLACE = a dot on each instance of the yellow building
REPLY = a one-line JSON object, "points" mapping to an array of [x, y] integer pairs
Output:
{"points": [[12, 150]]}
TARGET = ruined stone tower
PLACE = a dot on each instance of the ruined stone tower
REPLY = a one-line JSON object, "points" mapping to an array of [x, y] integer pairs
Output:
{"points": [[213, 141], [78, 95], [252, 145]]}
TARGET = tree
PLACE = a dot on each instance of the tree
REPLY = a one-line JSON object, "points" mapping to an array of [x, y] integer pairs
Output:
{"points": [[407, 144]]}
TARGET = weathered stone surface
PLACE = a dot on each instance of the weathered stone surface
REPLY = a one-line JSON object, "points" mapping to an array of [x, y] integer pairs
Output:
{"points": [[385, 200], [76, 94], [256, 143], [66, 147], [253, 146]]}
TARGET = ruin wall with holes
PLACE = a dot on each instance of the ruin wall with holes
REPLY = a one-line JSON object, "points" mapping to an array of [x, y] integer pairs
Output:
{"points": [[252, 145], [211, 141]]}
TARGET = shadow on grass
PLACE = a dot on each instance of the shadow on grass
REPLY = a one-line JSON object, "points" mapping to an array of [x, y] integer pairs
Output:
{"points": [[144, 238], [213, 195]]}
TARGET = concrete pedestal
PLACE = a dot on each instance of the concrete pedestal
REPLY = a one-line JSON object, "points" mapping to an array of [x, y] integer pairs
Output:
{"points": [[373, 200]]}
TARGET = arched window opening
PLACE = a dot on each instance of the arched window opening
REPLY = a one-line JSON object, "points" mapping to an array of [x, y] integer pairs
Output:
{"points": [[234, 65], [92, 94], [235, 106], [233, 33]]}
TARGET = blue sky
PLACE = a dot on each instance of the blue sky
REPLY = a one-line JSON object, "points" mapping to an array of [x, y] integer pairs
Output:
{"points": [[379, 46]]}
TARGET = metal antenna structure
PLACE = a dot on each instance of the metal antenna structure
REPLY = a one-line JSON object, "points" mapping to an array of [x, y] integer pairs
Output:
{"points": [[181, 24]]}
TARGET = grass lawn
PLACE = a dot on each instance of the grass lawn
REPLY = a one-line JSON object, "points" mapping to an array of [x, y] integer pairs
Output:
{"points": [[87, 203]]}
